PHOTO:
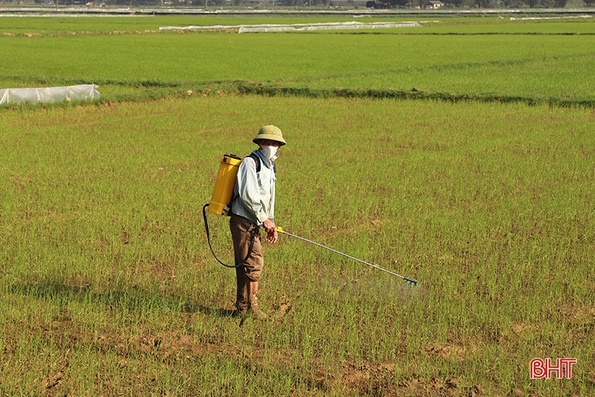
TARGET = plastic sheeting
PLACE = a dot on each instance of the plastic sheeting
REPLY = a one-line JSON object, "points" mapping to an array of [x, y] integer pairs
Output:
{"points": [[49, 94], [267, 28], [326, 26]]}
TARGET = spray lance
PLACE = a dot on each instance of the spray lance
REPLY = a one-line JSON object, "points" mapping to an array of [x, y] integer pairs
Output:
{"points": [[408, 280]]}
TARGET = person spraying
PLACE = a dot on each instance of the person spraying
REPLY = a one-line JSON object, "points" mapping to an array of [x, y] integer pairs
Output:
{"points": [[252, 208]]}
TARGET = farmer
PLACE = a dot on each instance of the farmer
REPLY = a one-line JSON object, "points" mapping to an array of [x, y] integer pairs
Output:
{"points": [[253, 207]]}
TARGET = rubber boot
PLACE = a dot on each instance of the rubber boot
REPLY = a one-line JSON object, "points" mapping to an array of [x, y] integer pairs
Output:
{"points": [[255, 310]]}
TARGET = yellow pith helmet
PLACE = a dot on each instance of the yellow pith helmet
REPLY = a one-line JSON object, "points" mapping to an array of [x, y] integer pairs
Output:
{"points": [[270, 132]]}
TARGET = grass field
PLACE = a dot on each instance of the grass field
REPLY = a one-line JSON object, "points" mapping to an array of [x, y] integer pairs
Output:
{"points": [[107, 285]]}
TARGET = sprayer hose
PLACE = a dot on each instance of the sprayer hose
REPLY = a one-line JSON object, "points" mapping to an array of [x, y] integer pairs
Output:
{"points": [[253, 236]]}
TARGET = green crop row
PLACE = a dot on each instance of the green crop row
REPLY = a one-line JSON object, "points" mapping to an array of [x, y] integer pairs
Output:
{"points": [[506, 23], [539, 68]]}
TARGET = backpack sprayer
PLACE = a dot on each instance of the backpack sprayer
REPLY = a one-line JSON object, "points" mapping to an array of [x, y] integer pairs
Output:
{"points": [[221, 201], [226, 180]]}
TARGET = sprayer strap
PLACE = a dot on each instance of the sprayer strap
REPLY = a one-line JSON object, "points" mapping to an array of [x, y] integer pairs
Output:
{"points": [[254, 157], [258, 162]]}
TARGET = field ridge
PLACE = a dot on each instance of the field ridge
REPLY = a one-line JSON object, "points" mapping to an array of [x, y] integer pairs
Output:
{"points": [[168, 89]]}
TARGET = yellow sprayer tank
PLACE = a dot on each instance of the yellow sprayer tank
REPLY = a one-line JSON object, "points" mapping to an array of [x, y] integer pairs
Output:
{"points": [[226, 180]]}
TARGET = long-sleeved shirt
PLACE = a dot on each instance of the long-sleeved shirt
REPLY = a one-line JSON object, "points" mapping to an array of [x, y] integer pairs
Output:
{"points": [[254, 193]]}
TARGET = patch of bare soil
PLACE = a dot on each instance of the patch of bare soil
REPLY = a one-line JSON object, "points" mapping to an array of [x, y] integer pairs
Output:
{"points": [[378, 379], [447, 350]]}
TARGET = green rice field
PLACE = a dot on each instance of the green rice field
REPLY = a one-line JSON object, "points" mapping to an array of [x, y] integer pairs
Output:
{"points": [[459, 153]]}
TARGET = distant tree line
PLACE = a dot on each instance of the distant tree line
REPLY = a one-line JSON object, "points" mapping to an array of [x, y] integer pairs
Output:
{"points": [[481, 3], [305, 3]]}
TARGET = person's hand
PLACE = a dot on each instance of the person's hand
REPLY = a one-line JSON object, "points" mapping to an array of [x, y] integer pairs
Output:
{"points": [[271, 229], [272, 237], [269, 226]]}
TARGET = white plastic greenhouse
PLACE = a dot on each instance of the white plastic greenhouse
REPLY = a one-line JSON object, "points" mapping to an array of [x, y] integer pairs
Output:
{"points": [[49, 94]]}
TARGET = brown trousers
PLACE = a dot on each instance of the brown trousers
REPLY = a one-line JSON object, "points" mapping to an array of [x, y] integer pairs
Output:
{"points": [[247, 249]]}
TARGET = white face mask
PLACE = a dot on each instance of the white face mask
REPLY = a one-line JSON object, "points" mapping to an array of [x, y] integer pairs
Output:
{"points": [[269, 151]]}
